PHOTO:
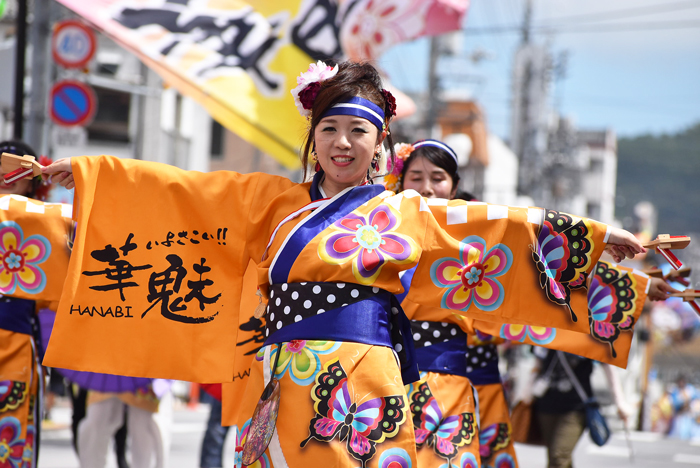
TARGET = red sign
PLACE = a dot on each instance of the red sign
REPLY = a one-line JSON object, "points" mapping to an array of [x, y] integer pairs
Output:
{"points": [[72, 103], [72, 44]]}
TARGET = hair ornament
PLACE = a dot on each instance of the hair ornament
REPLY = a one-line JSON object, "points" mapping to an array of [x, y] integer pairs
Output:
{"points": [[390, 101], [309, 85], [392, 181]]}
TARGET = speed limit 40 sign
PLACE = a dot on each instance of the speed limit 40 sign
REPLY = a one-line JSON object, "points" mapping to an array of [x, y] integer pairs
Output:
{"points": [[72, 44]]}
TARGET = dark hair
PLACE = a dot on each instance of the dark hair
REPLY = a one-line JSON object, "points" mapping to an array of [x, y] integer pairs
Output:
{"points": [[353, 79], [441, 159], [20, 148]]}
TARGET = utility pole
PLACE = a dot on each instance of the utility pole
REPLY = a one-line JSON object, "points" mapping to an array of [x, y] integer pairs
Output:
{"points": [[527, 23], [523, 143], [37, 135], [21, 47], [433, 86]]}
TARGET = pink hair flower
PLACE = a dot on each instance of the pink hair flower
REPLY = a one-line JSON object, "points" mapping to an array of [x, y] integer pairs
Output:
{"points": [[316, 73]]}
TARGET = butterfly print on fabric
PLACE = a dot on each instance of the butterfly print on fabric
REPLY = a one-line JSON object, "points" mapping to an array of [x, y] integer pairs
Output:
{"points": [[12, 394], [444, 434], [612, 300], [562, 256], [492, 439], [362, 425]]}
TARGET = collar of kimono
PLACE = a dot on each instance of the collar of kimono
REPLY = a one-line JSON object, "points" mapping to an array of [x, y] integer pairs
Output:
{"points": [[406, 280], [326, 213], [358, 107], [315, 190], [318, 199]]}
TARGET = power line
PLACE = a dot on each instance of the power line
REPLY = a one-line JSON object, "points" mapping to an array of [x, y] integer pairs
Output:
{"points": [[628, 12], [616, 27]]}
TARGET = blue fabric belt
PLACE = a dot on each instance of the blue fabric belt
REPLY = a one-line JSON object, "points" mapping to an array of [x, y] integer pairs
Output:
{"points": [[16, 315], [369, 321], [486, 375], [450, 357]]}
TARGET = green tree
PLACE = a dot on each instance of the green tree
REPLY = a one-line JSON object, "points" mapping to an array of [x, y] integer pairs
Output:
{"points": [[664, 170]]}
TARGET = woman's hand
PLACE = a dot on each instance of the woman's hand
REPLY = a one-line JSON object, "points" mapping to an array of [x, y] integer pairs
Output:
{"points": [[622, 244], [61, 172], [659, 290]]}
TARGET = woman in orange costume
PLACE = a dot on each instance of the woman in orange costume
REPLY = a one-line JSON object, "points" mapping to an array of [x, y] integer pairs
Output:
{"points": [[328, 255], [454, 351], [455, 361], [21, 271]]}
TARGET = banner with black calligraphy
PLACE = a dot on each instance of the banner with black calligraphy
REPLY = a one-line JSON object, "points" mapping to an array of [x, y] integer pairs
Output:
{"points": [[155, 279], [239, 59], [35, 240]]}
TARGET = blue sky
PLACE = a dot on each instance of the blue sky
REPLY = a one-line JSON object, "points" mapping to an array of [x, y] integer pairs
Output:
{"points": [[632, 81]]}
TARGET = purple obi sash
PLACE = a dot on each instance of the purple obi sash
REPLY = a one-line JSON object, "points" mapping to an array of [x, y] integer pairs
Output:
{"points": [[341, 312], [17, 315], [442, 347]]}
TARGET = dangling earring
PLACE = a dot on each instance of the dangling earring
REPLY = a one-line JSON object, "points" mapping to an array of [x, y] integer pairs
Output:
{"points": [[314, 158], [375, 161]]}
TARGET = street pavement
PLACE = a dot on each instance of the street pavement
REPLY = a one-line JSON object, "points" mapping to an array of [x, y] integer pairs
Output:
{"points": [[650, 450]]}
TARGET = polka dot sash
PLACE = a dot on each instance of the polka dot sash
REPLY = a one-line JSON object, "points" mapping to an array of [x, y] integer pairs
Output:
{"points": [[479, 356], [427, 333], [291, 303]]}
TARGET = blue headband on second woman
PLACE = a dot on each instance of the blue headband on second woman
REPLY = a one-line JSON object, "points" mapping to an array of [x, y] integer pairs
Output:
{"points": [[436, 144], [359, 107]]}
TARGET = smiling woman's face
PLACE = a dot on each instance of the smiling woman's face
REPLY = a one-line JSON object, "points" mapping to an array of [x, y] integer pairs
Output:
{"points": [[345, 146]]}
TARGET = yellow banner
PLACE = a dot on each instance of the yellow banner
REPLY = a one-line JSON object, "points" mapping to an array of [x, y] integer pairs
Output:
{"points": [[235, 60], [240, 59]]}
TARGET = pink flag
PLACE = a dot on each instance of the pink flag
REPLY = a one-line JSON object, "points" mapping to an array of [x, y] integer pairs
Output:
{"points": [[373, 26]]}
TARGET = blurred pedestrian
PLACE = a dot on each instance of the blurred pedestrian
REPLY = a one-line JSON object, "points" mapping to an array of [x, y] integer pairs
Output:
{"points": [[212, 451], [558, 406], [108, 412]]}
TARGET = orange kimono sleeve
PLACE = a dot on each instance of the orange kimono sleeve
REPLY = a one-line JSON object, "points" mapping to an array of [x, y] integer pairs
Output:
{"points": [[507, 264], [154, 283], [251, 336], [615, 299], [34, 248]]}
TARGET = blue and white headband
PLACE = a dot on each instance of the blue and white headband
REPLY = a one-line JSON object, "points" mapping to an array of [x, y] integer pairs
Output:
{"points": [[437, 144], [358, 107]]}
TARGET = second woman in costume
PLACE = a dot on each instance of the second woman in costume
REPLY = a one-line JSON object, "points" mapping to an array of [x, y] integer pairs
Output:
{"points": [[459, 366]]}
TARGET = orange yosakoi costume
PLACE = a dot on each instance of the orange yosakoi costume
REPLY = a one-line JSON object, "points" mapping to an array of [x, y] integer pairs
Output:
{"points": [[453, 348], [160, 297], [34, 251]]}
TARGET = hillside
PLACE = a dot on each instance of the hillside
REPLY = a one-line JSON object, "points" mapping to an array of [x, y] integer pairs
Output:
{"points": [[664, 170]]}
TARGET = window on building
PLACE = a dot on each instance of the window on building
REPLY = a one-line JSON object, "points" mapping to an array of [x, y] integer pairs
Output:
{"points": [[217, 140], [596, 166], [111, 122], [593, 210], [109, 69]]}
